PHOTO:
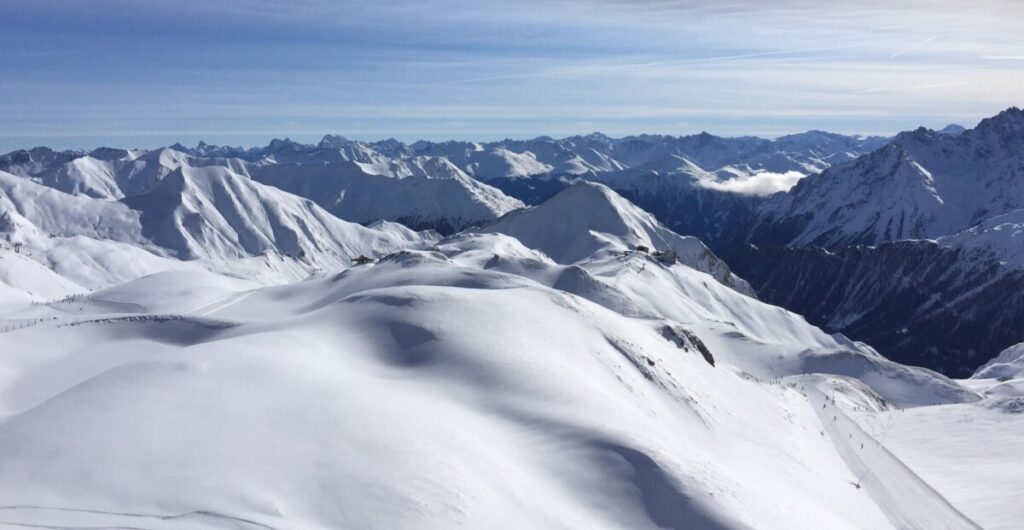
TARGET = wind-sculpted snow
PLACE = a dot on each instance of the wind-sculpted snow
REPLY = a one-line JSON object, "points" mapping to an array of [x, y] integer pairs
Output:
{"points": [[192, 338], [472, 384]]}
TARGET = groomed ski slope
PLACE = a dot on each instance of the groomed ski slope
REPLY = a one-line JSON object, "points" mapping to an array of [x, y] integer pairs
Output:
{"points": [[969, 453], [908, 501]]}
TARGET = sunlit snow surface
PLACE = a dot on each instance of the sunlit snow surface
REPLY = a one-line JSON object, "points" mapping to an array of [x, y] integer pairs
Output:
{"points": [[476, 383], [204, 352]]}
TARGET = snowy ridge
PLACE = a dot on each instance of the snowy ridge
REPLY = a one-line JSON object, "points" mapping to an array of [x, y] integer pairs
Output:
{"points": [[208, 214], [925, 184], [420, 192], [423, 192], [417, 393], [1001, 237], [1009, 364], [589, 217], [195, 338]]}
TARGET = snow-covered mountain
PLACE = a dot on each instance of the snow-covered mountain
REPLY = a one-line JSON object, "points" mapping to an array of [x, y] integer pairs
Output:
{"points": [[420, 192], [507, 161], [104, 173], [943, 294], [354, 181], [588, 218], [478, 383], [1000, 237], [924, 184], [724, 191], [208, 214], [165, 367], [438, 185], [1009, 364]]}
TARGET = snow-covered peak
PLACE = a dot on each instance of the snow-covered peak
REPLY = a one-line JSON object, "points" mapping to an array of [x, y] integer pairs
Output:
{"points": [[1007, 122], [953, 129], [589, 218], [332, 141], [211, 212], [1001, 236], [421, 192], [1009, 364], [925, 184]]}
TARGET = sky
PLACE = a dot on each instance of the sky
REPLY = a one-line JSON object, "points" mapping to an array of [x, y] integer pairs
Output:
{"points": [[141, 73]]}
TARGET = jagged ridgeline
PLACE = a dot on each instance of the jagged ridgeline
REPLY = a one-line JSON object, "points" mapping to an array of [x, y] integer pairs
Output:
{"points": [[518, 334], [957, 186]]}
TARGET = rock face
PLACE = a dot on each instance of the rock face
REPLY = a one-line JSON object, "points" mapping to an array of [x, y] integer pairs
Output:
{"points": [[920, 303], [686, 340], [949, 304]]}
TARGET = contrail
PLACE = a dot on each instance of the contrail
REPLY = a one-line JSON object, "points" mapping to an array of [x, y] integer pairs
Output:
{"points": [[914, 47]]}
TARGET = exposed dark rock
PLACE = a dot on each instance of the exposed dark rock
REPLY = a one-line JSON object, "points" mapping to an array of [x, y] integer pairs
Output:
{"points": [[916, 302]]}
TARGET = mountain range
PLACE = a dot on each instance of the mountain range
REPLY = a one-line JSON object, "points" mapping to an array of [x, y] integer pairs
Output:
{"points": [[807, 218], [646, 332]]}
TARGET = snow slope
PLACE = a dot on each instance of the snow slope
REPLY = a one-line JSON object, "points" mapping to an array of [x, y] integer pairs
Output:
{"points": [[1009, 363], [1001, 237], [477, 383], [906, 499], [410, 393], [540, 374], [970, 454]]}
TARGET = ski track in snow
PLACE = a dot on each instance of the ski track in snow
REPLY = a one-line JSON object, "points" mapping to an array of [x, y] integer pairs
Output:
{"points": [[88, 518], [220, 304], [908, 501]]}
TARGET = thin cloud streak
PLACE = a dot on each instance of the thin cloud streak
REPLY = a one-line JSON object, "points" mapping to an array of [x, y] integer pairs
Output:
{"points": [[468, 68], [596, 69], [914, 47]]}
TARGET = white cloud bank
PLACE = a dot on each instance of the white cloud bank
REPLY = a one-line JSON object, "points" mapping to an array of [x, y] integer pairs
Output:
{"points": [[758, 184]]}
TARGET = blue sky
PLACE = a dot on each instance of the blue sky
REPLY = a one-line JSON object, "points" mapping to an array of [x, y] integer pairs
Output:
{"points": [[138, 73]]}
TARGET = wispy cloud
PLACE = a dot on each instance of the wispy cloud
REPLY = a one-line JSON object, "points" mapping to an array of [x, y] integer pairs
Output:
{"points": [[916, 46], [472, 68], [912, 88], [611, 66]]}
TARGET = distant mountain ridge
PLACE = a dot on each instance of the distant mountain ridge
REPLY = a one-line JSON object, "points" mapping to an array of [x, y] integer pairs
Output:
{"points": [[786, 196], [915, 247], [924, 184]]}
